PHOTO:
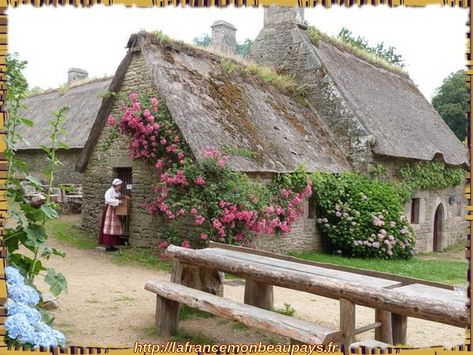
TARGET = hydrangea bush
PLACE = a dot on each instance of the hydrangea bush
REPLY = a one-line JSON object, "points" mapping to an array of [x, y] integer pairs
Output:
{"points": [[24, 324], [362, 217], [223, 205]]}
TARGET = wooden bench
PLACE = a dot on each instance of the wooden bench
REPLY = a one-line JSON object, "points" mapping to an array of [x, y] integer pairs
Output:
{"points": [[170, 295]]}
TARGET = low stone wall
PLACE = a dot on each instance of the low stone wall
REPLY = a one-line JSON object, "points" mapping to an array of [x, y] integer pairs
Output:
{"points": [[36, 161]]}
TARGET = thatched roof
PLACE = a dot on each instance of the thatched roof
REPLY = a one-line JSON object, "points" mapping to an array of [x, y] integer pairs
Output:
{"points": [[84, 101], [391, 108], [220, 109]]}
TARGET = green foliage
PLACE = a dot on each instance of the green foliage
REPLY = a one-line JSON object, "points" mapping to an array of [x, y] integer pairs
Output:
{"points": [[186, 312], [288, 310], [431, 175], [233, 151], [141, 256], [243, 49], [161, 36], [371, 57], [228, 66], [451, 102], [362, 217], [203, 41], [388, 54], [26, 241]]}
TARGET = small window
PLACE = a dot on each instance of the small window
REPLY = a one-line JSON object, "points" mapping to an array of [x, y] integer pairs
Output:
{"points": [[415, 207], [311, 208]]}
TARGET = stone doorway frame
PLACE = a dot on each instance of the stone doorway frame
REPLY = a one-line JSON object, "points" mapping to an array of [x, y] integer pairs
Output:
{"points": [[439, 218]]}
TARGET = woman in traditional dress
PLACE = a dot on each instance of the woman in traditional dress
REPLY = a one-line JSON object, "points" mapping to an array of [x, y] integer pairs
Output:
{"points": [[111, 228]]}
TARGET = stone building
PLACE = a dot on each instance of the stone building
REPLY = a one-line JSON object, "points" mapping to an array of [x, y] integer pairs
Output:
{"points": [[212, 109], [84, 98], [355, 115], [376, 115]]}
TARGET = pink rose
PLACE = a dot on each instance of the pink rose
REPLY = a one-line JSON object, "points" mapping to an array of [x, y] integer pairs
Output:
{"points": [[204, 236], [199, 181], [111, 120]]}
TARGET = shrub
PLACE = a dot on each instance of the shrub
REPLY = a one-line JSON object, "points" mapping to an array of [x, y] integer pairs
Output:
{"points": [[361, 217]]}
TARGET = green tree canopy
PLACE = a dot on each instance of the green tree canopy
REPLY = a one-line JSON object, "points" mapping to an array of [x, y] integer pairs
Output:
{"points": [[381, 50], [242, 49], [451, 102]]}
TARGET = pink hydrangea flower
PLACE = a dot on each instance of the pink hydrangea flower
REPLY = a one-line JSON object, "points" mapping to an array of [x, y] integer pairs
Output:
{"points": [[111, 120], [186, 244]]}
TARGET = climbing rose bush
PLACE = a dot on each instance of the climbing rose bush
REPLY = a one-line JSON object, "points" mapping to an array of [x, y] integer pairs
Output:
{"points": [[24, 323], [221, 204], [361, 217]]}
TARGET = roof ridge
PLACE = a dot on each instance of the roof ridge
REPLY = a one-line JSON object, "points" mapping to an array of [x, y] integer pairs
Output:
{"points": [[72, 86]]}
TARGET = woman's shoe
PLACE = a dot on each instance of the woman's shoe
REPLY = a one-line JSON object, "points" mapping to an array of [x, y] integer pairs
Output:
{"points": [[111, 249]]}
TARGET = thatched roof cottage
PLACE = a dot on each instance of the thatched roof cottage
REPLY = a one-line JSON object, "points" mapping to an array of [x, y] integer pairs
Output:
{"points": [[354, 115], [375, 112], [84, 98]]}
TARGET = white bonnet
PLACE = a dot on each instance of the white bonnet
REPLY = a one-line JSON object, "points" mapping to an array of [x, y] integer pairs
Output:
{"points": [[116, 182]]}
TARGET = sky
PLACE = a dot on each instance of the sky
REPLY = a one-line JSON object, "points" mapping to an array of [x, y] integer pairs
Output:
{"points": [[431, 40]]}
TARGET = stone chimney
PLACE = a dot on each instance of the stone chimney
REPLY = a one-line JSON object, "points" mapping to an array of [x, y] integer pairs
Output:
{"points": [[224, 37], [76, 74], [279, 15]]}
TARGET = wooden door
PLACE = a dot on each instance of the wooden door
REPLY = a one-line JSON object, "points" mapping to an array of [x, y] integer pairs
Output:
{"points": [[438, 228], [126, 175]]}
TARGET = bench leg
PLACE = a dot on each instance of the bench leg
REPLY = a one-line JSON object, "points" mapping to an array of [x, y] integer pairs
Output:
{"points": [[399, 325], [259, 294], [383, 333], [167, 316], [347, 322]]}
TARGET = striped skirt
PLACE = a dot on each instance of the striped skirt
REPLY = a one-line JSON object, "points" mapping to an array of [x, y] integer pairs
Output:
{"points": [[111, 228]]}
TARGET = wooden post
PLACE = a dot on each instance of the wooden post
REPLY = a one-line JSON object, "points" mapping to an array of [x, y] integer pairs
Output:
{"points": [[347, 322], [383, 333], [200, 278], [399, 326], [259, 294], [167, 316]]}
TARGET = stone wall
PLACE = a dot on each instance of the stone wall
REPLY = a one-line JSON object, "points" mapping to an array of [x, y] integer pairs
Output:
{"points": [[64, 174], [144, 229], [284, 45], [100, 171], [452, 201], [304, 236]]}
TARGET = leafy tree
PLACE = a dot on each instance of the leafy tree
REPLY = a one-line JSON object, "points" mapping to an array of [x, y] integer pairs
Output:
{"points": [[451, 102], [242, 49], [202, 41], [387, 53]]}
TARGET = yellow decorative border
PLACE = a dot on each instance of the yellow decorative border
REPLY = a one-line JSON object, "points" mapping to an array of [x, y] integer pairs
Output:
{"points": [[4, 4]]}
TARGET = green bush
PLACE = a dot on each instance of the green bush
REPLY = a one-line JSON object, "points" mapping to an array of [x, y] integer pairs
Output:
{"points": [[362, 217]]}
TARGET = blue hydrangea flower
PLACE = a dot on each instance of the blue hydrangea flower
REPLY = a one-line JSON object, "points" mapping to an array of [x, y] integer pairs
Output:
{"points": [[23, 294], [18, 326], [24, 323], [31, 314], [13, 276]]}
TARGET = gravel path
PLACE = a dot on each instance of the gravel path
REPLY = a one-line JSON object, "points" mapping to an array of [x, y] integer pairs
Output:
{"points": [[107, 306]]}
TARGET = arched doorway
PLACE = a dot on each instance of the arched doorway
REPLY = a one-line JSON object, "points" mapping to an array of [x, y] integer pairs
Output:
{"points": [[438, 228]]}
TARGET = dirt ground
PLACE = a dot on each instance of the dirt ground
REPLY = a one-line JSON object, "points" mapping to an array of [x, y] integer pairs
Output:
{"points": [[107, 305]]}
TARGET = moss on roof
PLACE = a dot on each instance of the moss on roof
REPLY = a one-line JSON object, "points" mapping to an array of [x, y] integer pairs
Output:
{"points": [[316, 36]]}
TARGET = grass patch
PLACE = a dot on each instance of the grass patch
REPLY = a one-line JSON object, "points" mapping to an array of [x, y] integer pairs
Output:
{"points": [[288, 310], [316, 36], [124, 299], [228, 66], [70, 234], [186, 312], [181, 336], [146, 257], [284, 82], [445, 271], [229, 276], [161, 36], [239, 326]]}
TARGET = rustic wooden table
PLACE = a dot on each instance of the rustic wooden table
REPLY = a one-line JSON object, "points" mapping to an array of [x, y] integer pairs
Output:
{"points": [[393, 300]]}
